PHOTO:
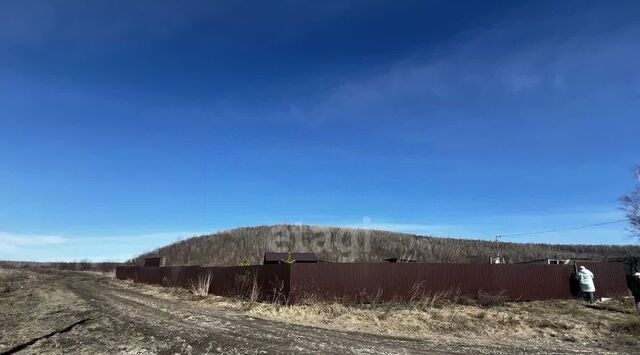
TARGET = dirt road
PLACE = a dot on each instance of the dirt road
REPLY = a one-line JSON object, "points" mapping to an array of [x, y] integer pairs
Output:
{"points": [[66, 312]]}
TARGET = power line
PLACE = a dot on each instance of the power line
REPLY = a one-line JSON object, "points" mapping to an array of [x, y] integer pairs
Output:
{"points": [[562, 229]]}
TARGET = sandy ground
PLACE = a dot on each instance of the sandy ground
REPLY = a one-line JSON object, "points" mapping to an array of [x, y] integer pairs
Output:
{"points": [[66, 312]]}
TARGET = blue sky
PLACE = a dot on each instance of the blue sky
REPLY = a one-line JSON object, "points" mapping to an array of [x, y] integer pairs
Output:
{"points": [[127, 125]]}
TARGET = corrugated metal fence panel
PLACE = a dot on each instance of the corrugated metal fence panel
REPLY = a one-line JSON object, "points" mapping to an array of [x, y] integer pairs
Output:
{"points": [[151, 275], [127, 272], [418, 278], [344, 280], [226, 281], [238, 280], [528, 282], [180, 276]]}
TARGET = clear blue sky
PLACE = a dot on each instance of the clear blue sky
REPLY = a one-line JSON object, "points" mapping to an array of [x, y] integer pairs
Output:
{"points": [[125, 125]]}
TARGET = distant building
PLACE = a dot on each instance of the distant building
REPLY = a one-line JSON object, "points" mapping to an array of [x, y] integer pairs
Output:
{"points": [[155, 261], [278, 258]]}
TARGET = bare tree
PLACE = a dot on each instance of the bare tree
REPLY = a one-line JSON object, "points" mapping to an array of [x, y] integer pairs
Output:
{"points": [[631, 203]]}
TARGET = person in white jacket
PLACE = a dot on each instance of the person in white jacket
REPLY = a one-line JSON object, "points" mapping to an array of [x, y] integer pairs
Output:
{"points": [[634, 286], [585, 277]]}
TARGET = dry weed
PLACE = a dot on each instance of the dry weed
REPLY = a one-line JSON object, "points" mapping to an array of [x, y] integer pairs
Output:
{"points": [[629, 326], [247, 289], [201, 286], [488, 300]]}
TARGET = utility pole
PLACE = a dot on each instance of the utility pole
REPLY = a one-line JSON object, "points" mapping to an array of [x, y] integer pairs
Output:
{"points": [[498, 259]]}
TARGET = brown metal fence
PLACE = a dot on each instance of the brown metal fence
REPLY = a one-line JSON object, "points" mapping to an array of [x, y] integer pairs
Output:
{"points": [[392, 281], [271, 280], [389, 281]]}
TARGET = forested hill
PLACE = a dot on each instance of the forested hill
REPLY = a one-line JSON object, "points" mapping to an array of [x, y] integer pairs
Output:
{"points": [[244, 245]]}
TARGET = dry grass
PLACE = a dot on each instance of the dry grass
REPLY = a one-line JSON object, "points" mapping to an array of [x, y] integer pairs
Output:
{"points": [[627, 326], [247, 290], [201, 286], [506, 323]]}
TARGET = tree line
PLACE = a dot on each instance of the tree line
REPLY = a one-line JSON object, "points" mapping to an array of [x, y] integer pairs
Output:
{"points": [[332, 244]]}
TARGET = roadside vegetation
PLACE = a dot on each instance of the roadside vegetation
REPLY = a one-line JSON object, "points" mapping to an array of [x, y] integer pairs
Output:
{"points": [[545, 321]]}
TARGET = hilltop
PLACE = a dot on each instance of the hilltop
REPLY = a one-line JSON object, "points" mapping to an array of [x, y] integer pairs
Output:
{"points": [[248, 245]]}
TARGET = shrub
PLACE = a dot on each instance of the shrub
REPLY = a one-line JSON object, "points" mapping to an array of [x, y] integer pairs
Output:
{"points": [[488, 300], [201, 286], [245, 262], [288, 260], [425, 300]]}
